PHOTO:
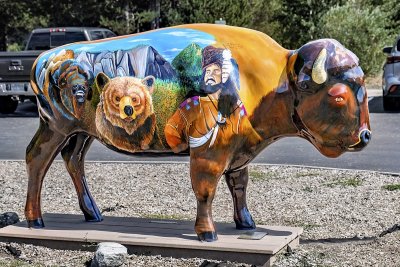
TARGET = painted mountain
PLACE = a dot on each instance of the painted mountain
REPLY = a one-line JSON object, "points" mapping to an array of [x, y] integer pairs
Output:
{"points": [[140, 61], [188, 66]]}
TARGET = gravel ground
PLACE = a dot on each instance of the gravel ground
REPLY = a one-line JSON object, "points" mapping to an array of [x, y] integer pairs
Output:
{"points": [[342, 212]]}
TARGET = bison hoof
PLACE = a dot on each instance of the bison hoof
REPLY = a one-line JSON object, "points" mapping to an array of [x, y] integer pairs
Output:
{"points": [[208, 236], [245, 221], [93, 217], [37, 223]]}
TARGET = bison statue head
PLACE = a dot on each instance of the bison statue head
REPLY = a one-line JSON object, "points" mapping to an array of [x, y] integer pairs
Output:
{"points": [[330, 100]]}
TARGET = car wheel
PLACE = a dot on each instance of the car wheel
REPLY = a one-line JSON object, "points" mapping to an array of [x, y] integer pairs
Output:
{"points": [[8, 105]]}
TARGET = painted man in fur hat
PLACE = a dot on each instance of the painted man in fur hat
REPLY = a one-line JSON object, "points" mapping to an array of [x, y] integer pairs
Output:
{"points": [[203, 121], [220, 78]]}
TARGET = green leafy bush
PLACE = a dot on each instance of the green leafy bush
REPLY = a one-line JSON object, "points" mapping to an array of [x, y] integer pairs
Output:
{"points": [[361, 29]]}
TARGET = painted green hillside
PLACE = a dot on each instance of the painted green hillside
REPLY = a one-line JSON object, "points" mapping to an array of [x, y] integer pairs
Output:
{"points": [[166, 98], [188, 66]]}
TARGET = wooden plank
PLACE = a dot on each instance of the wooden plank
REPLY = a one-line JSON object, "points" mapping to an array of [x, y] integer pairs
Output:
{"points": [[165, 237]]}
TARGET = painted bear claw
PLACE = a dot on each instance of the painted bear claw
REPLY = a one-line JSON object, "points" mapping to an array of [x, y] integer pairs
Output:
{"points": [[208, 236]]}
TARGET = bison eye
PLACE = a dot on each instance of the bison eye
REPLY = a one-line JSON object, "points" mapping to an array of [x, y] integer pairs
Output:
{"points": [[303, 85]]}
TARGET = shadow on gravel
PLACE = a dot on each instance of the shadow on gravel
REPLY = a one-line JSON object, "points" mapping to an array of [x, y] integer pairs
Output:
{"points": [[392, 229], [355, 239]]}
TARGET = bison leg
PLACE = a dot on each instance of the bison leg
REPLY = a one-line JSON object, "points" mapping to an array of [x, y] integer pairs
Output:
{"points": [[40, 153], [237, 183], [205, 176], [74, 154]]}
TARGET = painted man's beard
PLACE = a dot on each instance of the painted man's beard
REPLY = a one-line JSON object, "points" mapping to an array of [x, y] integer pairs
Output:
{"points": [[210, 89]]}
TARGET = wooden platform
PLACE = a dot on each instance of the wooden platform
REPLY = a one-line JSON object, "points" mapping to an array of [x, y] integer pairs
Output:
{"points": [[156, 237]]}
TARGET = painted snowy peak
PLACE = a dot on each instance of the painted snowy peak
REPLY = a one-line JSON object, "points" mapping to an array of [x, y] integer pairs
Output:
{"points": [[140, 61]]}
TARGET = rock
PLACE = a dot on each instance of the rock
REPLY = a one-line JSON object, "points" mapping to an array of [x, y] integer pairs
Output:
{"points": [[109, 254], [8, 218], [13, 251]]}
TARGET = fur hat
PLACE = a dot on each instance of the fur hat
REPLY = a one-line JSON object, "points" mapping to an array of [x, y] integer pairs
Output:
{"points": [[212, 55]]}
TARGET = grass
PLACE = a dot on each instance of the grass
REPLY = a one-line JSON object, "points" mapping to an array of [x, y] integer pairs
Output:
{"points": [[164, 216], [307, 189], [309, 226], [262, 176], [391, 187], [257, 175], [17, 263], [346, 182], [306, 174]]}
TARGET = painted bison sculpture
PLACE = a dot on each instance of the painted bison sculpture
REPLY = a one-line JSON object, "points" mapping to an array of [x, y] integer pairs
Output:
{"points": [[220, 94]]}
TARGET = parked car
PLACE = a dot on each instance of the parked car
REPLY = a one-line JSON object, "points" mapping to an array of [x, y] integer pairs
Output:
{"points": [[391, 77], [15, 67]]}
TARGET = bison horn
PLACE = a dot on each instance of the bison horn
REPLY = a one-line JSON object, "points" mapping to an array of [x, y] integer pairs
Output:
{"points": [[319, 74]]}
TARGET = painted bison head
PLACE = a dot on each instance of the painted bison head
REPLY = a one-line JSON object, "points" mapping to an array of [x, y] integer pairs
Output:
{"points": [[330, 106]]}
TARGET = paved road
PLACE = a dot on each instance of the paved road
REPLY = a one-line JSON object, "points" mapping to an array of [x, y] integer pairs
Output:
{"points": [[381, 155]]}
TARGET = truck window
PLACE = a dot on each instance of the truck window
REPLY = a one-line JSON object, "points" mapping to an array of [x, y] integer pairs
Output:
{"points": [[108, 34], [95, 35], [62, 38], [39, 41]]}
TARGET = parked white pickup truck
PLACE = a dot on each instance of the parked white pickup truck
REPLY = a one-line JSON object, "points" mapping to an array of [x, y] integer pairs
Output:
{"points": [[15, 67], [391, 77]]}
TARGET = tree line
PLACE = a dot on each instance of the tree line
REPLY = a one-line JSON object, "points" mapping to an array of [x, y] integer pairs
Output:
{"points": [[363, 26]]}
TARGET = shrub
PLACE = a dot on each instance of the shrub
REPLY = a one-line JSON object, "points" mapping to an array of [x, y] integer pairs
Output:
{"points": [[360, 29]]}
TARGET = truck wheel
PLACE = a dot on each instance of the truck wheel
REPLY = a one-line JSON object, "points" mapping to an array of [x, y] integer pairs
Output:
{"points": [[8, 105], [33, 100]]}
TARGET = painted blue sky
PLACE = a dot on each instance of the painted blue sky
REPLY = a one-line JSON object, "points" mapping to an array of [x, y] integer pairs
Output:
{"points": [[168, 42]]}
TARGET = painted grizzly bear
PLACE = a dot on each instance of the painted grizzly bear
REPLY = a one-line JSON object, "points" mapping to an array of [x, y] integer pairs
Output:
{"points": [[124, 116]]}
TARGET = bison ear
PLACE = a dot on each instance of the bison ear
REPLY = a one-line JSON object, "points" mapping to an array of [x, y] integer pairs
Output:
{"points": [[149, 81], [100, 81]]}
